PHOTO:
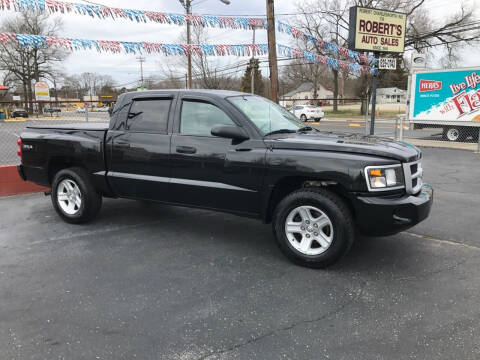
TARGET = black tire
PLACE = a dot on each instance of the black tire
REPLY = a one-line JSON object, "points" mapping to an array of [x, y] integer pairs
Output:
{"points": [[334, 207], [91, 200], [453, 133], [303, 118]]}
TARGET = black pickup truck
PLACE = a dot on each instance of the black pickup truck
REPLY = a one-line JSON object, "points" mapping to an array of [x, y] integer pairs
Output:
{"points": [[237, 153]]}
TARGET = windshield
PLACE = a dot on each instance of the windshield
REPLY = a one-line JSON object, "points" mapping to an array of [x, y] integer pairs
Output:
{"points": [[265, 114]]}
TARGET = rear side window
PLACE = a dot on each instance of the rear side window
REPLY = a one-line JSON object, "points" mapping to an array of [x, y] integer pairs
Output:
{"points": [[149, 115], [198, 118]]}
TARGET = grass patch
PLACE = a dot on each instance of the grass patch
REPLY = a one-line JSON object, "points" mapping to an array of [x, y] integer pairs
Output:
{"points": [[356, 113]]}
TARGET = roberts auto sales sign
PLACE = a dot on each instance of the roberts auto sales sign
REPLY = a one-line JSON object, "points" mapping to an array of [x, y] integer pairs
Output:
{"points": [[376, 30]]}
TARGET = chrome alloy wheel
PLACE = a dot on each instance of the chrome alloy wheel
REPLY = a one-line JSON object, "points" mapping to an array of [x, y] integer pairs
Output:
{"points": [[453, 134], [309, 230], [69, 197]]}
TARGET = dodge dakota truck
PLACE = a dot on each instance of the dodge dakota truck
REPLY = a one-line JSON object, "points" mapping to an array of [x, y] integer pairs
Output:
{"points": [[237, 153]]}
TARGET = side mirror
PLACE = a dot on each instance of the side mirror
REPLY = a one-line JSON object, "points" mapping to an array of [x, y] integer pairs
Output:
{"points": [[229, 132]]}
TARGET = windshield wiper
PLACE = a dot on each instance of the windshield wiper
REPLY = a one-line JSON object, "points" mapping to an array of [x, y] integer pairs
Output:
{"points": [[280, 131], [305, 128]]}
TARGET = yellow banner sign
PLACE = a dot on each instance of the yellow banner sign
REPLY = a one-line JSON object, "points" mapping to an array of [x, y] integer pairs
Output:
{"points": [[377, 30]]}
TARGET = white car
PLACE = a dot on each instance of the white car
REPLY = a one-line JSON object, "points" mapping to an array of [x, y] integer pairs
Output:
{"points": [[80, 109], [308, 112]]}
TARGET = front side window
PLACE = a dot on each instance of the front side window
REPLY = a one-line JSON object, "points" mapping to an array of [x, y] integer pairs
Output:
{"points": [[198, 118], [149, 115]]}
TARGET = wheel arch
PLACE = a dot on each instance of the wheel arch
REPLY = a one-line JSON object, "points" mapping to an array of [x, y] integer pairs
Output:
{"points": [[287, 185]]}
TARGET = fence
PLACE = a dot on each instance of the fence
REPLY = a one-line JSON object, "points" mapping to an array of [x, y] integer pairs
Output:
{"points": [[14, 118], [390, 121]]}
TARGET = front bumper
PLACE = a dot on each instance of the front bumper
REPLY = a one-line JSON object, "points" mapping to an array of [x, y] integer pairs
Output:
{"points": [[377, 216]]}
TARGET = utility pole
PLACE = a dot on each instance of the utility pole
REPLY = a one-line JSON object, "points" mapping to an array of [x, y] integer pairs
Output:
{"points": [[141, 59], [188, 9], [272, 51], [252, 68], [187, 5]]}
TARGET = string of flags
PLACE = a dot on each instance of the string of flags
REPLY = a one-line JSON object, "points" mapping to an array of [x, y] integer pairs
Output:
{"points": [[73, 44], [329, 47], [331, 63], [104, 12]]}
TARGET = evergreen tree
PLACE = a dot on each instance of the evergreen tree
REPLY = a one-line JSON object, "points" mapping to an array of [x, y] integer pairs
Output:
{"points": [[246, 79]]}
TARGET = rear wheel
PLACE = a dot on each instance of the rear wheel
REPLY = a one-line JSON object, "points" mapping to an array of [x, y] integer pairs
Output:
{"points": [[313, 227], [303, 117], [74, 197], [454, 134]]}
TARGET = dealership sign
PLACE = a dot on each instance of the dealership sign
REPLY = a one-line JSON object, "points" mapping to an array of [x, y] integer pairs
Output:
{"points": [[376, 30], [42, 91]]}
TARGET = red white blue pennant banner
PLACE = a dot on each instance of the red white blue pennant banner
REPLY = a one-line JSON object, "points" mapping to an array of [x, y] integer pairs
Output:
{"points": [[72, 44], [331, 63], [103, 12], [331, 48]]}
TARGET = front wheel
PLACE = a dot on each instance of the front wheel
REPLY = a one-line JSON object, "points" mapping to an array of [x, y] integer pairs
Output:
{"points": [[313, 227], [74, 197]]}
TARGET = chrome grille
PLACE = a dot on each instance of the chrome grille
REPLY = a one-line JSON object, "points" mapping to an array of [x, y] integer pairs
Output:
{"points": [[413, 176]]}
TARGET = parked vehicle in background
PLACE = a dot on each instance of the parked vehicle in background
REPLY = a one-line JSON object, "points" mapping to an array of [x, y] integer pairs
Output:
{"points": [[102, 109], [80, 109], [448, 100], [237, 153], [16, 113], [51, 110], [308, 112]]}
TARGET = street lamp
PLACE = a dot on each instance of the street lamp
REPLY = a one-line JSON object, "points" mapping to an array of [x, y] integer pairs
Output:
{"points": [[187, 5]]}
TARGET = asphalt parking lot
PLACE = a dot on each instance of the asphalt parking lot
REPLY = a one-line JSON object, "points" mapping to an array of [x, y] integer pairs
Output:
{"points": [[151, 281]]}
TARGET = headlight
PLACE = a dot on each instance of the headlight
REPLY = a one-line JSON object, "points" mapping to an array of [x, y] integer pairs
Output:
{"points": [[382, 178]]}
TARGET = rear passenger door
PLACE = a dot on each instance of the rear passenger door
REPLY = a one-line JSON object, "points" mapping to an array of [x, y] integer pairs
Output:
{"points": [[139, 164]]}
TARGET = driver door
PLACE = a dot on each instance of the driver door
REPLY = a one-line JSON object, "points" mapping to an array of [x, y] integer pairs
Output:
{"points": [[209, 171]]}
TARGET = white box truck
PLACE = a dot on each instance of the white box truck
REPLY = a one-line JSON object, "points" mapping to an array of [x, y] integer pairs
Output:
{"points": [[447, 99]]}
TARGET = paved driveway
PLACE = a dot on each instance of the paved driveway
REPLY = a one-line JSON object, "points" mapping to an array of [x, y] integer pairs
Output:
{"points": [[159, 282]]}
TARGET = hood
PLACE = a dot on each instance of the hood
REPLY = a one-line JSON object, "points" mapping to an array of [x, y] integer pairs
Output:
{"points": [[348, 143]]}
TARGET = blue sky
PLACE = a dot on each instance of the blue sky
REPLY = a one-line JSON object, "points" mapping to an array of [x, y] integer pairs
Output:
{"points": [[125, 68]]}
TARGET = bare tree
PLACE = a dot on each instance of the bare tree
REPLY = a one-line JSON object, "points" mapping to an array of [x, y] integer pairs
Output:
{"points": [[329, 20], [27, 64]]}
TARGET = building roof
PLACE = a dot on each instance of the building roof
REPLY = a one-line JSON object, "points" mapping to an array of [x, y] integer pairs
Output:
{"points": [[306, 86], [3, 87], [390, 91]]}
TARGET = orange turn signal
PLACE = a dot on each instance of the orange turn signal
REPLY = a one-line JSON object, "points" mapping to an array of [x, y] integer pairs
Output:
{"points": [[375, 172]]}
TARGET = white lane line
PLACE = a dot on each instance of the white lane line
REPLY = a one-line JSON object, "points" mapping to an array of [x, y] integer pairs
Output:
{"points": [[447, 242]]}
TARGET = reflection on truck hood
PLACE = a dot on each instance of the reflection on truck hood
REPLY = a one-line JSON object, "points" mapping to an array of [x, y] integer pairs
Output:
{"points": [[345, 142]]}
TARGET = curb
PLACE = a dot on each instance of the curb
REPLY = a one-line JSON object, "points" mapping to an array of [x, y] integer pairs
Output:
{"points": [[12, 184]]}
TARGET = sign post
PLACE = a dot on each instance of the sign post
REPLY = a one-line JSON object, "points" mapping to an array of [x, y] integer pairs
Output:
{"points": [[374, 103]]}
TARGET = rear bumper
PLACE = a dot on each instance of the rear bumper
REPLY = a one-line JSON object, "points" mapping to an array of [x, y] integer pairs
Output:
{"points": [[21, 173], [377, 216]]}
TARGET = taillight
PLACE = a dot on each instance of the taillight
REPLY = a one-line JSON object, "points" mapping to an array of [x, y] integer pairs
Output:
{"points": [[19, 151]]}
